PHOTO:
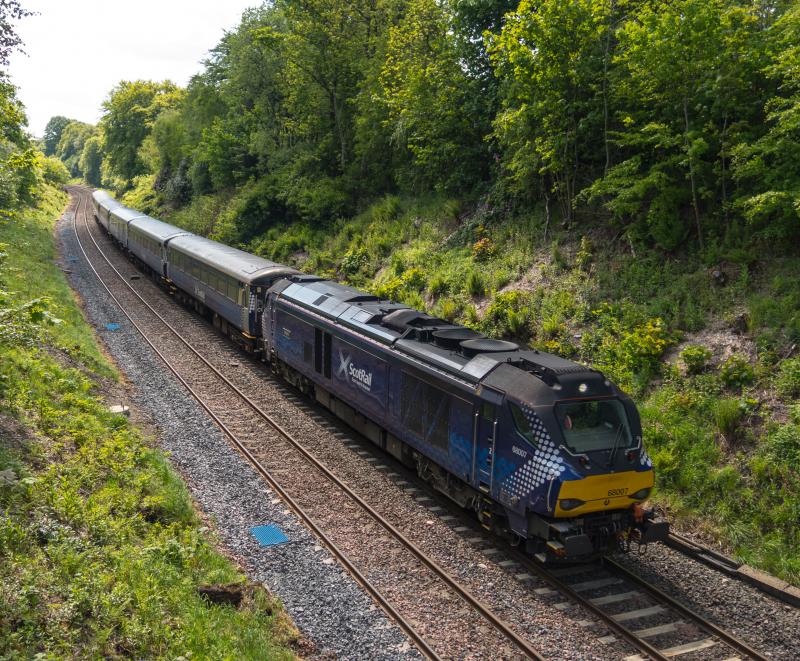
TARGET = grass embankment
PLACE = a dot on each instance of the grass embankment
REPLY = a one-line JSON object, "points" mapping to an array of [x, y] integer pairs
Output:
{"points": [[704, 357], [101, 552]]}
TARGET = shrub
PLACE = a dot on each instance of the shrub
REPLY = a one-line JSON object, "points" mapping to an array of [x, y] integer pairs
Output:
{"points": [[736, 371], [387, 209], [447, 309], [390, 290], [558, 257], [728, 414], [354, 260], [788, 381], [696, 358], [584, 257], [641, 348], [54, 171], [437, 286], [414, 279], [482, 249], [551, 326], [475, 284]]}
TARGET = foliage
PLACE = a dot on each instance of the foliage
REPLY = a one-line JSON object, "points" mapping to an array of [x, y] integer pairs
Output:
{"points": [[54, 171], [788, 379], [52, 134], [475, 284], [130, 111], [696, 358], [736, 371], [727, 417], [10, 10]]}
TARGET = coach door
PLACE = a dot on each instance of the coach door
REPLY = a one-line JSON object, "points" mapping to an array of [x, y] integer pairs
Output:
{"points": [[485, 413]]}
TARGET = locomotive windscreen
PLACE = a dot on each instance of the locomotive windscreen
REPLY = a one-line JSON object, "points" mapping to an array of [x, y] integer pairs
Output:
{"points": [[594, 425]]}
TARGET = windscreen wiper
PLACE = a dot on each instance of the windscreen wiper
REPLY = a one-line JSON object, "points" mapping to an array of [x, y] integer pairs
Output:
{"points": [[615, 447]]}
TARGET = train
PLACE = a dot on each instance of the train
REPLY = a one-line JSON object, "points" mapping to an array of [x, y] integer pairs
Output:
{"points": [[548, 453]]}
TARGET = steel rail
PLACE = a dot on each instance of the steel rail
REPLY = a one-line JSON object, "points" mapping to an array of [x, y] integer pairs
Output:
{"points": [[473, 601], [766, 583], [703, 623]]}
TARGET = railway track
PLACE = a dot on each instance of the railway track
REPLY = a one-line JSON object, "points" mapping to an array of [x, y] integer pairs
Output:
{"points": [[702, 640], [418, 588]]}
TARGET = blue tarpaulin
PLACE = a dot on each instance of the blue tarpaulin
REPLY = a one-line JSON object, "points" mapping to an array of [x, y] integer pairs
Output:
{"points": [[112, 327], [269, 535]]}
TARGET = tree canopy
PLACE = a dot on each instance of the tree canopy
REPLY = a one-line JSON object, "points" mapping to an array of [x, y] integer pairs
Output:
{"points": [[674, 121]]}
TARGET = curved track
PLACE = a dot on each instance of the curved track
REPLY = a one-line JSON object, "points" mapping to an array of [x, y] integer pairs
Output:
{"points": [[247, 425]]}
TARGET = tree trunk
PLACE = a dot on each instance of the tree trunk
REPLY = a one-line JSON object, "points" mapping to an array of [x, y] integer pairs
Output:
{"points": [[691, 173]]}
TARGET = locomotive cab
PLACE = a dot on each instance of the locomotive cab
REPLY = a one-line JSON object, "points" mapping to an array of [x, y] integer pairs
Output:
{"points": [[570, 468]]}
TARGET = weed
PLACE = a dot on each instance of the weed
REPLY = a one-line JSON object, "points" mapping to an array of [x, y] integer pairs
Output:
{"points": [[695, 357], [584, 256], [437, 285], [736, 371], [788, 380], [728, 415], [475, 284], [447, 309]]}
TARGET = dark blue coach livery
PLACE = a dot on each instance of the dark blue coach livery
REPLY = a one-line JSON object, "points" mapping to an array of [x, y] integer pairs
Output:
{"points": [[546, 451]]}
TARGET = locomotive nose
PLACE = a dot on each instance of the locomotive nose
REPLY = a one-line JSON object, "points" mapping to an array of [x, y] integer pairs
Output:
{"points": [[595, 493]]}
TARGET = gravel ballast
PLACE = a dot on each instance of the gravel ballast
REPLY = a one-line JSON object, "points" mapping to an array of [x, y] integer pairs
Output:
{"points": [[324, 601]]}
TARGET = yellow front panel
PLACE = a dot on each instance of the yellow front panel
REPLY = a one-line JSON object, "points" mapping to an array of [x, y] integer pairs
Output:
{"points": [[603, 492]]}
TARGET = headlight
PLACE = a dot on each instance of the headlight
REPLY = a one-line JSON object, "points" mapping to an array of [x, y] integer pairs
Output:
{"points": [[641, 494], [571, 503]]}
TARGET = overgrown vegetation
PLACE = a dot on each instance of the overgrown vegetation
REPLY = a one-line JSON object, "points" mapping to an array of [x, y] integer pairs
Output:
{"points": [[101, 552]]}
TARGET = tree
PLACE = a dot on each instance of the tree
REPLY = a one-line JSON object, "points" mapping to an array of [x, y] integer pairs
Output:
{"points": [[52, 133], [91, 161], [550, 56], [767, 169], [71, 144], [429, 96], [10, 10], [130, 111]]}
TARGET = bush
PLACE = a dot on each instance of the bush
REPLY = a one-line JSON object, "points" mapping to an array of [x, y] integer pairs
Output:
{"points": [[414, 279], [447, 309], [788, 381], [437, 286], [54, 171], [354, 260], [482, 249], [696, 358], [584, 257], [558, 257], [736, 371], [475, 284], [642, 347]]}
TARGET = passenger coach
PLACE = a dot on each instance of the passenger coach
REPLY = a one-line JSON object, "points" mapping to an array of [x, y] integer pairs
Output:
{"points": [[229, 282]]}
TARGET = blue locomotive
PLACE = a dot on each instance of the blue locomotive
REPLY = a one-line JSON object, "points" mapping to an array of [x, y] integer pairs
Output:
{"points": [[546, 451]]}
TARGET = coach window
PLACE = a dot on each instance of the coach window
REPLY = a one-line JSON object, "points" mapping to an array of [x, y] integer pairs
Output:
{"points": [[522, 424]]}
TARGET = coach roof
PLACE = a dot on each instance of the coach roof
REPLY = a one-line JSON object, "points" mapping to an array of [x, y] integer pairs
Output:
{"points": [[125, 214], [106, 200], [238, 264], [157, 229]]}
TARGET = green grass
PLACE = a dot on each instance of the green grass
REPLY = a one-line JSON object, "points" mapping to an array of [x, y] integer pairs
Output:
{"points": [[101, 552], [29, 272]]}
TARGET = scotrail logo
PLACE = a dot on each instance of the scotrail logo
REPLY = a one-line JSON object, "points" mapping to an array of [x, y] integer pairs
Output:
{"points": [[352, 374]]}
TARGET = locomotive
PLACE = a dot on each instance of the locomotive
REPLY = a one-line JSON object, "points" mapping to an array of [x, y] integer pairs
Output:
{"points": [[546, 452]]}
